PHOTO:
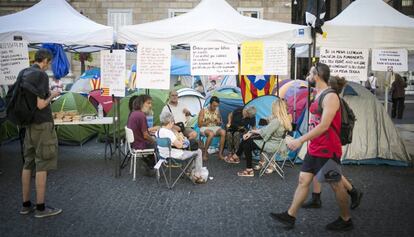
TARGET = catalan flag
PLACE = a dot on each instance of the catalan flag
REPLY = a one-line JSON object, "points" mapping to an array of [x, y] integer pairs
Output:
{"points": [[95, 82], [254, 86], [105, 92]]}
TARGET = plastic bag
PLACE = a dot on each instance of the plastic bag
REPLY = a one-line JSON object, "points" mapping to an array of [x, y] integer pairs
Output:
{"points": [[200, 176]]}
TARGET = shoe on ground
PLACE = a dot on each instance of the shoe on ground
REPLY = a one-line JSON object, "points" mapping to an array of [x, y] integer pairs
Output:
{"points": [[287, 220], [49, 211], [314, 202], [356, 197], [27, 210], [340, 225]]}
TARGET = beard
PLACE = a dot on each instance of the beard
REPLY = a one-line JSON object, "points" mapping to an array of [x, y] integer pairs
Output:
{"points": [[312, 83]]}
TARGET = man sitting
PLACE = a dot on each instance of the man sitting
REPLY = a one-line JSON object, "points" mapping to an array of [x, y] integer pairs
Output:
{"points": [[180, 114]]}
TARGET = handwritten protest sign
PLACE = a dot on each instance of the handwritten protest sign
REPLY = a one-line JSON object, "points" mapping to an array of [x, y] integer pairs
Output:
{"points": [[153, 65], [390, 60], [211, 58], [113, 72], [14, 57], [275, 59], [252, 58]]}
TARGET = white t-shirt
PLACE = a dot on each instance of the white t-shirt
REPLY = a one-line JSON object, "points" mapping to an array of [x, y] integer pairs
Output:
{"points": [[373, 82], [177, 112], [167, 133]]}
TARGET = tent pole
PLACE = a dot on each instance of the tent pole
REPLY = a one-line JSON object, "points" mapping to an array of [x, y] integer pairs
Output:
{"points": [[294, 92]]}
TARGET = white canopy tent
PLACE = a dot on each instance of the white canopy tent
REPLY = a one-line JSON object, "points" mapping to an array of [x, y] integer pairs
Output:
{"points": [[214, 20], [369, 24], [54, 21]]}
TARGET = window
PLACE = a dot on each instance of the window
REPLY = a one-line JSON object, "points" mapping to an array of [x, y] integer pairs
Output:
{"points": [[251, 12], [407, 3], [119, 17], [176, 12]]}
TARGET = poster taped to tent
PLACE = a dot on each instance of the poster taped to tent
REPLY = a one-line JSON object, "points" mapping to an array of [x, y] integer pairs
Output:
{"points": [[153, 65], [390, 60], [113, 71], [252, 58], [275, 58], [211, 58], [14, 57], [349, 63]]}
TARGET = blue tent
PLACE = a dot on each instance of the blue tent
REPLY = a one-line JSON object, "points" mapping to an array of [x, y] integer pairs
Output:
{"points": [[263, 105], [179, 67], [230, 99]]}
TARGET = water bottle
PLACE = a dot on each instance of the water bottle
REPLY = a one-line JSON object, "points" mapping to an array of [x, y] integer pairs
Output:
{"points": [[100, 111]]}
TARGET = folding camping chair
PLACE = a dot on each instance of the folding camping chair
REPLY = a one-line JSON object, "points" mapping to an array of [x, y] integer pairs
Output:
{"points": [[163, 163], [270, 160], [134, 153]]}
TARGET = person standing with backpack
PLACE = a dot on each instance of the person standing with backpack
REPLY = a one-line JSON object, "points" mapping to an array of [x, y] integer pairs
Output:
{"points": [[324, 152], [337, 84], [40, 142]]}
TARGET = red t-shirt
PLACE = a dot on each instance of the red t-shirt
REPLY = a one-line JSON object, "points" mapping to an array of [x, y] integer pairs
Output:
{"points": [[137, 122], [328, 143]]}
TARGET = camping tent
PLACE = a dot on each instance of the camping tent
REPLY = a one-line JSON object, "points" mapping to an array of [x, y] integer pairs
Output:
{"points": [[263, 105], [230, 99], [214, 20], [75, 134], [192, 99], [375, 139], [54, 21], [369, 24], [88, 81]]}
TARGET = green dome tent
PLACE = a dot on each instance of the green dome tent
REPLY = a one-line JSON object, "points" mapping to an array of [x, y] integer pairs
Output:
{"points": [[74, 134], [159, 98], [8, 131]]}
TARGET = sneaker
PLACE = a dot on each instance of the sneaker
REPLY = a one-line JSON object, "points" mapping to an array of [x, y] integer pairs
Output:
{"points": [[340, 225], [314, 202], [27, 210], [287, 220], [356, 197], [49, 211]]}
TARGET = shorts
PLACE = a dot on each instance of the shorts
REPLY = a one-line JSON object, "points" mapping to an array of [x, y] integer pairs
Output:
{"points": [[214, 129], [187, 131], [40, 147], [325, 169]]}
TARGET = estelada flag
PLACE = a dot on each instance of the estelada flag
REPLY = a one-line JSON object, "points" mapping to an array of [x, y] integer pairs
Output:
{"points": [[254, 86], [95, 82]]}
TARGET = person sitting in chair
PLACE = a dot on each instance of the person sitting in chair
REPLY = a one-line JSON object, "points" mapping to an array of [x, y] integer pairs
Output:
{"points": [[137, 122], [239, 122], [209, 122], [180, 113], [271, 135], [178, 143]]}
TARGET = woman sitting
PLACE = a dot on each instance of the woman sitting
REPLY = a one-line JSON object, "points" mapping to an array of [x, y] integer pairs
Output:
{"points": [[209, 122], [178, 142], [271, 135], [239, 122]]}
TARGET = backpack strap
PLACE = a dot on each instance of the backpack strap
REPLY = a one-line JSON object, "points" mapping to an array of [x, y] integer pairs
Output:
{"points": [[169, 108], [320, 101]]}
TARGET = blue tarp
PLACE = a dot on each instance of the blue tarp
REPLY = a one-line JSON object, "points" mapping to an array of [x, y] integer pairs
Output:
{"points": [[179, 67], [60, 63]]}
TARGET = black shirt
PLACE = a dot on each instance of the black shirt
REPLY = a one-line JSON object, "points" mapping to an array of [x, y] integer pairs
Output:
{"points": [[37, 83], [238, 120]]}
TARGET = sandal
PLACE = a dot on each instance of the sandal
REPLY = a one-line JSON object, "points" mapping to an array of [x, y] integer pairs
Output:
{"points": [[259, 166], [246, 173], [232, 160]]}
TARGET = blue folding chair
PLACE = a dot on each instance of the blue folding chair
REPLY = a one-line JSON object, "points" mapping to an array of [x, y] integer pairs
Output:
{"points": [[168, 163]]}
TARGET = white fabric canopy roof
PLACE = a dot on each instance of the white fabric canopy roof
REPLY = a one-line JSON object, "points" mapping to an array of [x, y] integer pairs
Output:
{"points": [[54, 21], [213, 20], [369, 24]]}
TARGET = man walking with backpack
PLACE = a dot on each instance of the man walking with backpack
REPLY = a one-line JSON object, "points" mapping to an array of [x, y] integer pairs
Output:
{"points": [[40, 142], [324, 152]]}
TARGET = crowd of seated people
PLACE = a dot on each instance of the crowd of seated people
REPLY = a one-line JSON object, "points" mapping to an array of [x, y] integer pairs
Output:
{"points": [[242, 136]]}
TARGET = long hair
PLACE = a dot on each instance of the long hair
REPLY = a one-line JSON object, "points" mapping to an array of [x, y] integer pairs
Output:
{"points": [[280, 112], [337, 83]]}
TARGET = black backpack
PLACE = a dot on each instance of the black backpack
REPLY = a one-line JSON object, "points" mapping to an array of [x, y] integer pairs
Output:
{"points": [[19, 109], [347, 117]]}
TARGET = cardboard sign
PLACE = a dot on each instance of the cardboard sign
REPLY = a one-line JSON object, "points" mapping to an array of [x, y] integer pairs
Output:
{"points": [[349, 63], [113, 72], [153, 65], [14, 57], [211, 58], [390, 60]]}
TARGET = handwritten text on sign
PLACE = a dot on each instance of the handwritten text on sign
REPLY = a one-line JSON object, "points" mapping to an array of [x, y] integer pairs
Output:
{"points": [[14, 57], [153, 65], [349, 63], [275, 59], [113, 69], [252, 58], [390, 60], [211, 58]]}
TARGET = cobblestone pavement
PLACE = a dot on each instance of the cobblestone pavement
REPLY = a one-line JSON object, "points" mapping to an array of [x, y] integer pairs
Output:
{"points": [[97, 204]]}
